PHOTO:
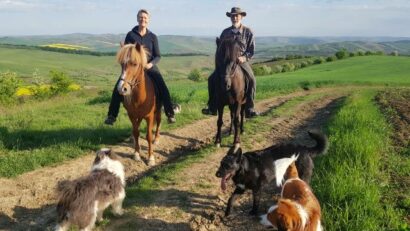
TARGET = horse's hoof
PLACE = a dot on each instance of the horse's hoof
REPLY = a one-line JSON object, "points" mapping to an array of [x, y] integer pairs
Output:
{"points": [[151, 161], [218, 145], [137, 156]]}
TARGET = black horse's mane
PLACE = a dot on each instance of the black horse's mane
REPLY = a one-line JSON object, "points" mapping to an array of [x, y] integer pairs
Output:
{"points": [[228, 50]]}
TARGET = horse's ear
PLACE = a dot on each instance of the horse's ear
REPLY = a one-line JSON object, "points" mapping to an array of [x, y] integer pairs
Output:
{"points": [[217, 40], [238, 153], [121, 44]]}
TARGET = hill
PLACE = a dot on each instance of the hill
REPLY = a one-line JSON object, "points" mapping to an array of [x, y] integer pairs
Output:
{"points": [[266, 47]]}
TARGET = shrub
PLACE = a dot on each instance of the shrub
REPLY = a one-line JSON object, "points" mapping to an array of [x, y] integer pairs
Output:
{"points": [[342, 54], [24, 91], [360, 53], [195, 75], [379, 53], [9, 84], [277, 69], [59, 82], [394, 53], [331, 58], [262, 70], [304, 64], [288, 67], [352, 54], [368, 53], [319, 60]]}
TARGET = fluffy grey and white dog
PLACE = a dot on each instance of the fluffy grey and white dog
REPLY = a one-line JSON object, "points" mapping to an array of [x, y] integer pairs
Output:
{"points": [[83, 201]]}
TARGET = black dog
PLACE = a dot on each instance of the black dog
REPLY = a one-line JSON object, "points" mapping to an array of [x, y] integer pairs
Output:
{"points": [[252, 170]]}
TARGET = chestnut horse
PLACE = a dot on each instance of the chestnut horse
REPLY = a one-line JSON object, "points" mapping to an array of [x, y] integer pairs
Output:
{"points": [[139, 96], [230, 86]]}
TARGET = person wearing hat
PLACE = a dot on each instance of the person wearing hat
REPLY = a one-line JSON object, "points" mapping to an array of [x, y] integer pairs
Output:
{"points": [[247, 39], [141, 35]]}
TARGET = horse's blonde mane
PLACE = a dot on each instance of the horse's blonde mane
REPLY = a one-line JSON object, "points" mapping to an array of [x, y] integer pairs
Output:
{"points": [[134, 54]]}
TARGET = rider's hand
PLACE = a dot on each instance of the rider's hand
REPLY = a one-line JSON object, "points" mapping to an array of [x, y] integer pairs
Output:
{"points": [[148, 66], [241, 59]]}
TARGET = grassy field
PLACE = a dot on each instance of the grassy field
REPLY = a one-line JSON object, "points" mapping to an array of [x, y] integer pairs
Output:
{"points": [[34, 131], [349, 179]]}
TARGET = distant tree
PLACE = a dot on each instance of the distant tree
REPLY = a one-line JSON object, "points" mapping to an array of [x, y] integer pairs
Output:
{"points": [[331, 58], [304, 64], [277, 69], [341, 54], [262, 70], [360, 53], [319, 60], [394, 53], [379, 53], [288, 67], [368, 53], [352, 54]]}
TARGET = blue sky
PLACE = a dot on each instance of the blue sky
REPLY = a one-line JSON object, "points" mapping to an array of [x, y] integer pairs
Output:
{"points": [[207, 17]]}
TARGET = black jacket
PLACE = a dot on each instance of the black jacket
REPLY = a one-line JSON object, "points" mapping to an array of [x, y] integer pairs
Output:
{"points": [[149, 41]]}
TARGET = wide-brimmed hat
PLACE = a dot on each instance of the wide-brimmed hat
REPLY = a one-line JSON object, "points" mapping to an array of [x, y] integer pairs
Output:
{"points": [[236, 10]]}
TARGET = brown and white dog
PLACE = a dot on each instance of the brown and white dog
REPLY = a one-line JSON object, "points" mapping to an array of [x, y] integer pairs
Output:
{"points": [[298, 208], [83, 201]]}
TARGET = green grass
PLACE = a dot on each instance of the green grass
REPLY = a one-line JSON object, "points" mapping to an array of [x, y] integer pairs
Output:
{"points": [[32, 133], [348, 181]]}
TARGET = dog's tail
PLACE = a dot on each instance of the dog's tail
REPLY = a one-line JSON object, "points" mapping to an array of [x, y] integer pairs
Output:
{"points": [[322, 143]]}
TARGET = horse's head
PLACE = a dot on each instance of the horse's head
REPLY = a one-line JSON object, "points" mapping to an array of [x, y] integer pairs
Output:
{"points": [[132, 58], [227, 52]]}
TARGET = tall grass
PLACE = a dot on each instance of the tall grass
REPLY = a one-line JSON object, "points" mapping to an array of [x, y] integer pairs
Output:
{"points": [[348, 180]]}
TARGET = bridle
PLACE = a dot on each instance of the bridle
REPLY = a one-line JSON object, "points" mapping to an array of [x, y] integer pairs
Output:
{"points": [[131, 83]]}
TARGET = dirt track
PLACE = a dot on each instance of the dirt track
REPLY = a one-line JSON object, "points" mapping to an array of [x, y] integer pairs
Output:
{"points": [[27, 202]]}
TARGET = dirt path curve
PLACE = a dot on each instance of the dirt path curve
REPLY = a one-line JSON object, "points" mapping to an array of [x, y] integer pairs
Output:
{"points": [[28, 200], [195, 202]]}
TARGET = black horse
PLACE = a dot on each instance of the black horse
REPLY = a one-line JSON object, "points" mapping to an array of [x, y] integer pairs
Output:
{"points": [[230, 86]]}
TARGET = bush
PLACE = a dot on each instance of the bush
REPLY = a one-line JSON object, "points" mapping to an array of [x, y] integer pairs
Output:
{"points": [[379, 53], [196, 75], [394, 53], [277, 69], [319, 60], [288, 67], [304, 64], [262, 70], [331, 58], [352, 54], [342, 54], [59, 82], [360, 53], [368, 53], [8, 87]]}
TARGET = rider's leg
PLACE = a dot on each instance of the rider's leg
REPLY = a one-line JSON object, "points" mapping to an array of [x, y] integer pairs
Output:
{"points": [[211, 110], [158, 80], [114, 107], [250, 94]]}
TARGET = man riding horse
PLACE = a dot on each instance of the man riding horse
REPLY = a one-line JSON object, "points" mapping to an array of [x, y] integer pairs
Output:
{"points": [[245, 36]]}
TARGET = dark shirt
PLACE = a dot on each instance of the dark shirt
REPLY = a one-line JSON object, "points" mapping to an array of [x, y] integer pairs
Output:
{"points": [[245, 36], [149, 41]]}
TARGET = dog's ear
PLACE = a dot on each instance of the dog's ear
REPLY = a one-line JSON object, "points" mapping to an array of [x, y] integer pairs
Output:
{"points": [[238, 154]]}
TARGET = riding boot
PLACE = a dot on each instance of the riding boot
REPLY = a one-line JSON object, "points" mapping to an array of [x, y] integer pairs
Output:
{"points": [[114, 107]]}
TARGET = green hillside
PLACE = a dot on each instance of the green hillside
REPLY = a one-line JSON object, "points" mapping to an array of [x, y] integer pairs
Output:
{"points": [[266, 46], [86, 69]]}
